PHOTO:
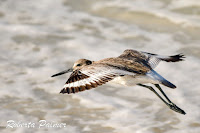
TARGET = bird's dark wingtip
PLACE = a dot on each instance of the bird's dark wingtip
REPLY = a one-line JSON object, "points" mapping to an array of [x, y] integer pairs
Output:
{"points": [[63, 91], [176, 58], [181, 56]]}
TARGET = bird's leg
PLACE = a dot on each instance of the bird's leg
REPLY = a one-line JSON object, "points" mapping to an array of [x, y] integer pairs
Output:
{"points": [[171, 105], [158, 86], [151, 88]]}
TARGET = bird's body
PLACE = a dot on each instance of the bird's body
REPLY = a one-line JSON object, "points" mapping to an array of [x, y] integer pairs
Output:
{"points": [[138, 71], [130, 68], [130, 80]]}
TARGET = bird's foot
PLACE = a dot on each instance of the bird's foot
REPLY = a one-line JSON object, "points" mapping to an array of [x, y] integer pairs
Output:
{"points": [[172, 106]]}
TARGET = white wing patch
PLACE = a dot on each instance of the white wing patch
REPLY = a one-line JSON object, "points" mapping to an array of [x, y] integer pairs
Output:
{"points": [[78, 83]]}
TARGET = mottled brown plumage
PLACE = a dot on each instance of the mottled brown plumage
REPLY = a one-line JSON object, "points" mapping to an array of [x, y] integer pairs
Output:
{"points": [[134, 65]]}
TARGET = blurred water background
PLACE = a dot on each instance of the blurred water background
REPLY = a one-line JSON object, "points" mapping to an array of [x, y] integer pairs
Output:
{"points": [[39, 38]]}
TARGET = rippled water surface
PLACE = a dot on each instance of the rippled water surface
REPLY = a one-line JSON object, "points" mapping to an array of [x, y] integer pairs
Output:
{"points": [[42, 37]]}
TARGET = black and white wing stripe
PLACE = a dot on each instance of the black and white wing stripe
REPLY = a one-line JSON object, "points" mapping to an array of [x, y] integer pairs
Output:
{"points": [[91, 77]]}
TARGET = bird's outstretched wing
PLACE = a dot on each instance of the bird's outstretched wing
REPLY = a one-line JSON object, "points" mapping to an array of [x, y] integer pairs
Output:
{"points": [[152, 60], [90, 77]]}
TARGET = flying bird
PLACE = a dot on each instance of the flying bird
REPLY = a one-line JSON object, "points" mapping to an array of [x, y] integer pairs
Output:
{"points": [[130, 68]]}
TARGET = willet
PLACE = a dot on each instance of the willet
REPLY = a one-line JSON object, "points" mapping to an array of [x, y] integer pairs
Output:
{"points": [[130, 68]]}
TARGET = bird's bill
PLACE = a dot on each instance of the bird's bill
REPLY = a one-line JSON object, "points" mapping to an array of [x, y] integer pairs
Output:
{"points": [[63, 72]]}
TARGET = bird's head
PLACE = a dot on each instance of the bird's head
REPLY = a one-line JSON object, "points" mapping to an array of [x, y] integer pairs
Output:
{"points": [[77, 65], [81, 63]]}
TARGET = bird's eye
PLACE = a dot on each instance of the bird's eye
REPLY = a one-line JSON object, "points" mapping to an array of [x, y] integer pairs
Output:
{"points": [[78, 65], [88, 62]]}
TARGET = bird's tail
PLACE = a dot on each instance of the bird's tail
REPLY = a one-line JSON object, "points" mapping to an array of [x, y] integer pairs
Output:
{"points": [[153, 74]]}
